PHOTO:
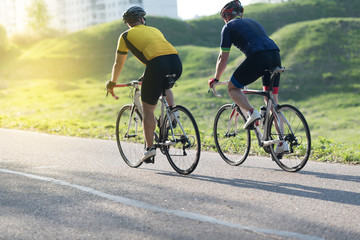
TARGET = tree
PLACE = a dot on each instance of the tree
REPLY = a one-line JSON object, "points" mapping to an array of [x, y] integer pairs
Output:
{"points": [[38, 16], [3, 39]]}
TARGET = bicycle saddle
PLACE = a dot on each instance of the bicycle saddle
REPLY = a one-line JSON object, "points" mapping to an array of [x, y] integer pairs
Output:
{"points": [[169, 81], [276, 70]]}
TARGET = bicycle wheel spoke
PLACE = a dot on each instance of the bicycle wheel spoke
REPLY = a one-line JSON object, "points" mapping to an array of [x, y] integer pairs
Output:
{"points": [[183, 152], [129, 131], [231, 139], [297, 136]]}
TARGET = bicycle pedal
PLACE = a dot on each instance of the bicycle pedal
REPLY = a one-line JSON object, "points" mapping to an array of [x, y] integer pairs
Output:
{"points": [[150, 160]]}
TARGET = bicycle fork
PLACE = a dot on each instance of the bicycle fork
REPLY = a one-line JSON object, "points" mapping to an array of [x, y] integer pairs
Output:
{"points": [[135, 105], [234, 115]]}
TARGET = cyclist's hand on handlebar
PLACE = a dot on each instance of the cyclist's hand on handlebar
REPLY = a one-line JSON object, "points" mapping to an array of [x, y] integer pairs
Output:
{"points": [[212, 81], [110, 85], [141, 78], [212, 84]]}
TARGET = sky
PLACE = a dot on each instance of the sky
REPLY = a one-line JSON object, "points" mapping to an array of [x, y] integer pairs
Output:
{"points": [[188, 9]]}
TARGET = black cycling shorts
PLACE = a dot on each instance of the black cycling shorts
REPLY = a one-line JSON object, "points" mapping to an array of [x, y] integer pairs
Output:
{"points": [[254, 67], [154, 76]]}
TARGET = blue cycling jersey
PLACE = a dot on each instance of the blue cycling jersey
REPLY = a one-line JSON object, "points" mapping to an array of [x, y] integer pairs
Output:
{"points": [[247, 35]]}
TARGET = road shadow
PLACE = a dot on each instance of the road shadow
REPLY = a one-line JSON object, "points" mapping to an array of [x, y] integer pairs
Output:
{"points": [[326, 194], [331, 176]]}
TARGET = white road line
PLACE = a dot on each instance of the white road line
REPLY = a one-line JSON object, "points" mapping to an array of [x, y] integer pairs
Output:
{"points": [[150, 207], [45, 167]]}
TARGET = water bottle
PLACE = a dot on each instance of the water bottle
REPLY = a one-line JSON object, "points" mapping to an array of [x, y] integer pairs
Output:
{"points": [[262, 114]]}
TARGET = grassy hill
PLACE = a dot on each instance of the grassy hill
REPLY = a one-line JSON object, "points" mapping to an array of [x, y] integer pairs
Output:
{"points": [[323, 54], [92, 50], [57, 85], [275, 16]]}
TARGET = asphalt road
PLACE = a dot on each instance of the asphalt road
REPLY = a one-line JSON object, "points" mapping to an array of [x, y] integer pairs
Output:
{"points": [[55, 187]]}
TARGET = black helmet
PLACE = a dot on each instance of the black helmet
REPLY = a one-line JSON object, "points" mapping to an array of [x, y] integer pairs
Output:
{"points": [[232, 8], [133, 14]]}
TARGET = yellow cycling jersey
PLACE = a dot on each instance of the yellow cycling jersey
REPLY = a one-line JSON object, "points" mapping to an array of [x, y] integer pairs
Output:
{"points": [[145, 43]]}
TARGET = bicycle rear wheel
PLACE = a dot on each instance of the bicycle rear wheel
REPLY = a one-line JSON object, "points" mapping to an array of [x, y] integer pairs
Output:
{"points": [[183, 151], [130, 136], [231, 139], [296, 134]]}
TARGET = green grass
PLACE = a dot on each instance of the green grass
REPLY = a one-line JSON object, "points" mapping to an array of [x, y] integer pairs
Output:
{"points": [[66, 107], [331, 151], [79, 108]]}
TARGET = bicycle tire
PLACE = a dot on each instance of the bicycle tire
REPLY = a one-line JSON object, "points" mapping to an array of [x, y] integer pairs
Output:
{"points": [[131, 144], [232, 141], [299, 141], [183, 153]]}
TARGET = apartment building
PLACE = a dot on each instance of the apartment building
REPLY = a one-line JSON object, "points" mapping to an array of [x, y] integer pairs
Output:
{"points": [[75, 15]]}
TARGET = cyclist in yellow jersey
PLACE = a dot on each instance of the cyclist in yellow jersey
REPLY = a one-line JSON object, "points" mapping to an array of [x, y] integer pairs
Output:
{"points": [[145, 43], [150, 47]]}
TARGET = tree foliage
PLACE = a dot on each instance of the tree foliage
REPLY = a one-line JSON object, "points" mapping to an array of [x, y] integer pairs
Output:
{"points": [[38, 16], [3, 38]]}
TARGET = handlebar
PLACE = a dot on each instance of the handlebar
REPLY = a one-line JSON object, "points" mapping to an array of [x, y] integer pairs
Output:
{"points": [[213, 88], [133, 83]]}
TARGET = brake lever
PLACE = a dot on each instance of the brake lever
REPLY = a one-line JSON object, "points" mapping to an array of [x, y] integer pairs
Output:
{"points": [[214, 92], [112, 94]]}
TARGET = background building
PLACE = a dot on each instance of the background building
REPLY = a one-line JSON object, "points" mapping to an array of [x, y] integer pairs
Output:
{"points": [[75, 15]]}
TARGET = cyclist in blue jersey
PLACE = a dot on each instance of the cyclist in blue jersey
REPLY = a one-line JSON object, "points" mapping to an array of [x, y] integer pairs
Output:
{"points": [[261, 54]]}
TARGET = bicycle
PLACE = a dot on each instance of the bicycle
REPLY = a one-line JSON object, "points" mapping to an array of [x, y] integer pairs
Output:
{"points": [[178, 137], [277, 123]]}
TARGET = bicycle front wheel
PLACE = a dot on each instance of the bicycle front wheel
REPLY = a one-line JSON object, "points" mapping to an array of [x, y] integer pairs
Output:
{"points": [[297, 135], [183, 143], [231, 139], [130, 136]]}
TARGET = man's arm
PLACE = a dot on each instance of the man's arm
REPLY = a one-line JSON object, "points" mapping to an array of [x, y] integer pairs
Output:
{"points": [[221, 64], [118, 65]]}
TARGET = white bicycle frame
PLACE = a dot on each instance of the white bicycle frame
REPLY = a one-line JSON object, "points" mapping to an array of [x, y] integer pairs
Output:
{"points": [[164, 109], [271, 107]]}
